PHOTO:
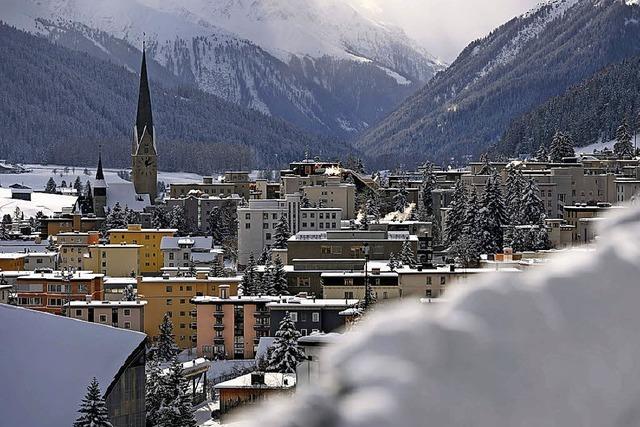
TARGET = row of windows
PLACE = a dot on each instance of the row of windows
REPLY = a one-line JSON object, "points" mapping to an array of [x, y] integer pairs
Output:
{"points": [[302, 316]]}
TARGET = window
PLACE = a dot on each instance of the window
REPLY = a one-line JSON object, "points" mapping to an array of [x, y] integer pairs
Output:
{"points": [[78, 312], [189, 288], [294, 317], [185, 256], [303, 282], [247, 225], [247, 216], [127, 312], [55, 302], [267, 236], [182, 326], [103, 318], [303, 332], [348, 295], [429, 280], [348, 281], [169, 289], [325, 250], [169, 301], [265, 216], [127, 325], [183, 301], [265, 225], [171, 255], [315, 317], [443, 280]]}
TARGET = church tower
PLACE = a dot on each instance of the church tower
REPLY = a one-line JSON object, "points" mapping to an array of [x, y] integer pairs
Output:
{"points": [[99, 191], [144, 154]]}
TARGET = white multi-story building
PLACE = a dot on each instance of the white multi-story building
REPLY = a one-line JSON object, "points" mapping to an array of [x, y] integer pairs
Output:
{"points": [[257, 222]]}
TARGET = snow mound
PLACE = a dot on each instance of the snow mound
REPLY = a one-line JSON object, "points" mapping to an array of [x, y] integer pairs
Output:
{"points": [[556, 348]]}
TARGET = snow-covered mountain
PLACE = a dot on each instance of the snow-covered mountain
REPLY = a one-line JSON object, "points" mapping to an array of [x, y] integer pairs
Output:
{"points": [[317, 63], [466, 109]]}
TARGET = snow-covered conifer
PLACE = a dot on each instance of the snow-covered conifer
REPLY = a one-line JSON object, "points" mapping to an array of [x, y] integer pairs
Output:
{"points": [[456, 215], [285, 353], [166, 348], [50, 187], [93, 409], [492, 216], [128, 294], [279, 277], [407, 255], [282, 233], [532, 205], [623, 146], [248, 284]]}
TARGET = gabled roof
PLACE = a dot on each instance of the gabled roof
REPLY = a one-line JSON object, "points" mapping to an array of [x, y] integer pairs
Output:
{"points": [[48, 361]]}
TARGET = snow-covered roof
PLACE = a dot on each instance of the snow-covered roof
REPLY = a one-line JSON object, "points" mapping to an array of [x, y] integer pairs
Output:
{"points": [[196, 243], [125, 194], [172, 279], [272, 380], [234, 299], [320, 338], [45, 202], [48, 362], [58, 275], [295, 302], [120, 281], [107, 303]]}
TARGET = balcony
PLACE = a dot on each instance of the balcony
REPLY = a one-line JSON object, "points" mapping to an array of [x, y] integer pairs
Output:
{"points": [[193, 313], [218, 340], [218, 313], [194, 325], [265, 313], [261, 327], [218, 326]]}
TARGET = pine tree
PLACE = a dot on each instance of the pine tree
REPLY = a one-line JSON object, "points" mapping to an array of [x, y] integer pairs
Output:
{"points": [[532, 205], [166, 347], [491, 217], [623, 146], [400, 199], [466, 250], [155, 391], [176, 409], [4, 231], [178, 220], [561, 147], [471, 213], [286, 354], [128, 294], [542, 155], [50, 187], [93, 409], [515, 188], [428, 185], [282, 233], [131, 216], [77, 185], [486, 168], [456, 215], [279, 277], [304, 201], [364, 221], [160, 217], [265, 256], [407, 256], [216, 270], [249, 278], [215, 225], [87, 205], [115, 219], [265, 283], [393, 264]]}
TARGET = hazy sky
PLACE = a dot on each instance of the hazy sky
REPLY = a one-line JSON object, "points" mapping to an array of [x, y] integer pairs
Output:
{"points": [[445, 27]]}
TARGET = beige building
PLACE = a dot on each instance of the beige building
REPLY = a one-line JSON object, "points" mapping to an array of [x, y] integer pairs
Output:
{"points": [[334, 195], [119, 314], [41, 260], [120, 260], [73, 246], [627, 190], [150, 259]]}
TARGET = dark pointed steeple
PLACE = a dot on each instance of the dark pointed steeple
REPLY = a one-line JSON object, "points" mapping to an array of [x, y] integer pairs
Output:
{"points": [[99, 173], [144, 118]]}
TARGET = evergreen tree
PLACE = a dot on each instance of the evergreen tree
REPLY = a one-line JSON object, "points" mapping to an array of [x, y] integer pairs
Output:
{"points": [[178, 220], [160, 217], [466, 250], [155, 391], [279, 277], [542, 155], [532, 205], [166, 347], [304, 201], [249, 278], [87, 201], [486, 168], [176, 409], [515, 188], [4, 231], [77, 185], [265, 256], [115, 219], [428, 185], [93, 409], [456, 216], [131, 216], [393, 263], [216, 226], [561, 147], [282, 233], [623, 146], [400, 199], [286, 354], [407, 256], [265, 283], [51, 187], [128, 294], [491, 217], [216, 270]]}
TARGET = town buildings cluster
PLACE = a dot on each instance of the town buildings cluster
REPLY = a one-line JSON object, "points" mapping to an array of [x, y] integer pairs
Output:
{"points": [[228, 266]]}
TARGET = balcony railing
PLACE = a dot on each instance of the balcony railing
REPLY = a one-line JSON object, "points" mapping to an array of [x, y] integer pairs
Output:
{"points": [[218, 313], [218, 326], [261, 314], [218, 340], [261, 327]]}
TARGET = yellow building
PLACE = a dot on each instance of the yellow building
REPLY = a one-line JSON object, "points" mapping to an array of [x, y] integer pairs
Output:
{"points": [[12, 262], [173, 295], [113, 260], [150, 260]]}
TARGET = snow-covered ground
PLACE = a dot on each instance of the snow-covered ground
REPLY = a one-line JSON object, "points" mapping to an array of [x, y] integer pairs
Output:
{"points": [[589, 149], [203, 414]]}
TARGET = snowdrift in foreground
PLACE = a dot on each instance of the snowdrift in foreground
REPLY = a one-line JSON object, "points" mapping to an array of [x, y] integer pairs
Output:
{"points": [[553, 348]]}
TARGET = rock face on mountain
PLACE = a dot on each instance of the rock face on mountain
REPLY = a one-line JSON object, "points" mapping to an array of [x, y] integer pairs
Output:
{"points": [[319, 64], [466, 109]]}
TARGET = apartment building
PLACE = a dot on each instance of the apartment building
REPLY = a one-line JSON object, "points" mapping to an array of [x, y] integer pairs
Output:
{"points": [[41, 260], [230, 327], [197, 207], [304, 275], [333, 195], [68, 223], [119, 314], [627, 190], [233, 182], [348, 244], [575, 214], [12, 261], [258, 221], [121, 260], [173, 295], [309, 314], [73, 246], [151, 259], [50, 291], [350, 285], [186, 252]]}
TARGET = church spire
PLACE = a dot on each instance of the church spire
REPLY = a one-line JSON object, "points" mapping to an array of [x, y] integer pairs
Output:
{"points": [[99, 172], [144, 118]]}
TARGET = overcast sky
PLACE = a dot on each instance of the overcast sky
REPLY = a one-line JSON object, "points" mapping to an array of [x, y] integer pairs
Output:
{"points": [[445, 27]]}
